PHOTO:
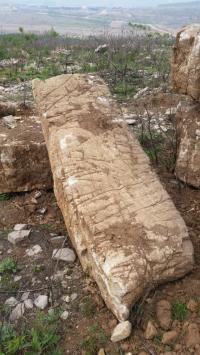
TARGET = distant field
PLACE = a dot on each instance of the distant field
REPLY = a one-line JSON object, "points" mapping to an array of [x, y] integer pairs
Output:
{"points": [[85, 21]]}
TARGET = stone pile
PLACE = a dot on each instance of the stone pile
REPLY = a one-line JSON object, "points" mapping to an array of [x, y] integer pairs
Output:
{"points": [[186, 80], [124, 226]]}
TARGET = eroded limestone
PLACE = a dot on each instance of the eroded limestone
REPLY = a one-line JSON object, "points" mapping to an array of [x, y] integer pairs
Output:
{"points": [[124, 226]]}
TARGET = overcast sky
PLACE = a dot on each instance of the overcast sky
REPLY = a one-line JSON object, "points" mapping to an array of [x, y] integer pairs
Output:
{"points": [[124, 3]]}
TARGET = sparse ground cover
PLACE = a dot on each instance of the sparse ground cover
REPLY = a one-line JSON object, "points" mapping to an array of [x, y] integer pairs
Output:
{"points": [[75, 320]]}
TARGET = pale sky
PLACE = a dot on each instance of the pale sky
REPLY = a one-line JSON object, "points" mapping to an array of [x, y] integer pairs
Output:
{"points": [[108, 3]]}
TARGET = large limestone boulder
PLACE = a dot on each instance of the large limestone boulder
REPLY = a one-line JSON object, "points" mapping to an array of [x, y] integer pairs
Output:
{"points": [[24, 162], [186, 62], [124, 226], [188, 135]]}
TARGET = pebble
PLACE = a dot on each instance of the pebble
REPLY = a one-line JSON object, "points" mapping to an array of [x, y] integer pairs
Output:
{"points": [[17, 278], [35, 250], [73, 297], [28, 303], [121, 331], [163, 312], [64, 254], [20, 227], [169, 337], [101, 352], [11, 302], [64, 315], [25, 296], [17, 236], [150, 331], [42, 210], [38, 194], [192, 305], [58, 241], [66, 299], [17, 312], [41, 301]]}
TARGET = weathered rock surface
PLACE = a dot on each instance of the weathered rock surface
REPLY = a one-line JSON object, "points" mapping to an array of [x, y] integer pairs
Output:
{"points": [[186, 62], [7, 108], [121, 331], [188, 139], [24, 162], [123, 224]]}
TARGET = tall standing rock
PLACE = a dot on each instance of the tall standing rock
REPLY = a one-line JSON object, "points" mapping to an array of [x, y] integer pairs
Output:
{"points": [[186, 62], [186, 80], [124, 226]]}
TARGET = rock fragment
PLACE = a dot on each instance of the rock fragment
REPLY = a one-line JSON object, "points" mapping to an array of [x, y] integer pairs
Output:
{"points": [[169, 337], [33, 251], [20, 227], [64, 254], [122, 222], [121, 331], [41, 301], [17, 312], [150, 331], [18, 236], [192, 337], [163, 312], [11, 302]]}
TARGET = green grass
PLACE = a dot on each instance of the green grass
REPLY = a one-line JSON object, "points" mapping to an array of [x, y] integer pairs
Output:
{"points": [[179, 310], [4, 196], [41, 337], [94, 340], [8, 265]]}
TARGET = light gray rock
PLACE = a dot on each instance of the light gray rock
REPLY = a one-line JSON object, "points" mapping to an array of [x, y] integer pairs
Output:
{"points": [[25, 296], [20, 227], [17, 312], [33, 251], [28, 303], [17, 236], [121, 331], [41, 301], [64, 315], [11, 302], [17, 278], [64, 254], [10, 121]]}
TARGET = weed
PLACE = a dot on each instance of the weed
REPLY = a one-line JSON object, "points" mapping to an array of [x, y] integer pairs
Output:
{"points": [[41, 338], [94, 340], [4, 196], [8, 265], [179, 310]]}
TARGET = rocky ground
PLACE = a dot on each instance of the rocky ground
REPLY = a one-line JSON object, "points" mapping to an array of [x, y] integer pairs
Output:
{"points": [[33, 277]]}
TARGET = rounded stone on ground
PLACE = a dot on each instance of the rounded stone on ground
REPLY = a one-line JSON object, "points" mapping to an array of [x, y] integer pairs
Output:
{"points": [[64, 254], [169, 337], [41, 302], [150, 331], [11, 302], [192, 305], [64, 315], [121, 331], [163, 312]]}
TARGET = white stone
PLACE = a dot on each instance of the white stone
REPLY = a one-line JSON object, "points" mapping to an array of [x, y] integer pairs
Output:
{"points": [[41, 301], [121, 331], [17, 236], [17, 312], [64, 254], [28, 303], [35, 250], [11, 302], [20, 227], [25, 296], [17, 278], [66, 299], [74, 296], [64, 315]]}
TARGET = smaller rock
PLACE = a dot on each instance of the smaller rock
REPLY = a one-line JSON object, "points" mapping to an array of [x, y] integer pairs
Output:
{"points": [[28, 303], [169, 337], [17, 236], [41, 301], [192, 305], [42, 210], [192, 337], [20, 227], [150, 331], [142, 353], [11, 302], [38, 194], [121, 331], [9, 121], [73, 297], [101, 48], [64, 315], [17, 312], [58, 241], [17, 278], [66, 299], [163, 312], [25, 296], [35, 250], [64, 254]]}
